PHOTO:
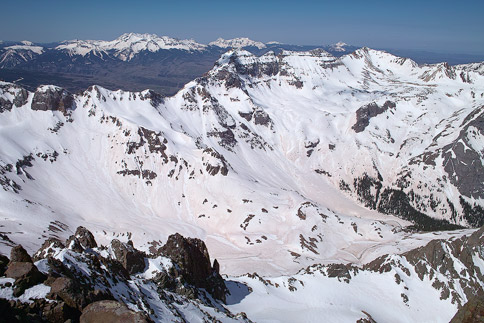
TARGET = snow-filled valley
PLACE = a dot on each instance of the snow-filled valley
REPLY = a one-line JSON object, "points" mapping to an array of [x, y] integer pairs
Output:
{"points": [[297, 170]]}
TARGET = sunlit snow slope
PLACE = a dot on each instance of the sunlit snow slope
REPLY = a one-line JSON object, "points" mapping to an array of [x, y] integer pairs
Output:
{"points": [[277, 162]]}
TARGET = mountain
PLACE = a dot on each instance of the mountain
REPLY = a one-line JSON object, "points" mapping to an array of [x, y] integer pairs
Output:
{"points": [[237, 43], [135, 62], [127, 46], [318, 173]]}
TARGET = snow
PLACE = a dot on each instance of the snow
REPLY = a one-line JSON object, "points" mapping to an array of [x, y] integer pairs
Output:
{"points": [[128, 45], [36, 292], [339, 46], [237, 43], [27, 47], [279, 208], [315, 296]]}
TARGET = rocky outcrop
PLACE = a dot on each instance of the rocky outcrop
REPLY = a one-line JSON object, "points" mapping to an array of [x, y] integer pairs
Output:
{"points": [[48, 248], [81, 240], [20, 97], [463, 159], [155, 98], [111, 311], [23, 271], [451, 259], [83, 278], [365, 113], [131, 259], [3, 264], [471, 312], [50, 98], [193, 264], [69, 291], [19, 254]]}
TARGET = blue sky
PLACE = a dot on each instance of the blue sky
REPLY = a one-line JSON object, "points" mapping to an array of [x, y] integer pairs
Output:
{"points": [[444, 26]]}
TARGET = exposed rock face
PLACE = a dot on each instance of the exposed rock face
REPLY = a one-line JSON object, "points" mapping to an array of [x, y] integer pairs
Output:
{"points": [[471, 312], [81, 240], [463, 160], [52, 99], [3, 264], [365, 113], [38, 311], [155, 98], [19, 254], [48, 248], [98, 282], [69, 291], [20, 97], [111, 311], [439, 257], [193, 261], [130, 258], [25, 274]]}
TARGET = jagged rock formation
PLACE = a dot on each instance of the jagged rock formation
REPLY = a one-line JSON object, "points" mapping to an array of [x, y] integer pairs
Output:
{"points": [[84, 282], [131, 259], [193, 264]]}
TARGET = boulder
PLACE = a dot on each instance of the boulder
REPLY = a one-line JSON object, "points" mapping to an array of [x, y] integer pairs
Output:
{"points": [[69, 291], [81, 240], [112, 312], [25, 274], [19, 254], [130, 258]]}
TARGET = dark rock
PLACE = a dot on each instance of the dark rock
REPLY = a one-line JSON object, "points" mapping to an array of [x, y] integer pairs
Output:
{"points": [[15, 311], [216, 266], [471, 312], [366, 112], [5, 105], [3, 264], [25, 274], [111, 311], [19, 254], [60, 312], [155, 98], [463, 163], [52, 99], [21, 98], [47, 248], [69, 291], [165, 281], [130, 258], [81, 240], [262, 118], [191, 255], [193, 264]]}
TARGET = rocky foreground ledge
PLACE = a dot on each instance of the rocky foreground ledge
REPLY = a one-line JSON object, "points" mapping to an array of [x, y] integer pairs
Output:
{"points": [[81, 281]]}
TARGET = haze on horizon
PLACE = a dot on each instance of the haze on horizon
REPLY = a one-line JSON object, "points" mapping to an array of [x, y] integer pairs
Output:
{"points": [[439, 26]]}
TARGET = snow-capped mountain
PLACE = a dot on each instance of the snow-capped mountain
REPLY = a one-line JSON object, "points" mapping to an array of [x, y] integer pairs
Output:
{"points": [[128, 45], [278, 162], [237, 43], [339, 47], [19, 53]]}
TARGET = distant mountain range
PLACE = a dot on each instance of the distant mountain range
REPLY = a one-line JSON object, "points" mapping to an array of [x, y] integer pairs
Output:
{"points": [[139, 61]]}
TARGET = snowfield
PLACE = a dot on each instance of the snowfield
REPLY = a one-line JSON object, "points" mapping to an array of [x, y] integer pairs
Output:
{"points": [[277, 162]]}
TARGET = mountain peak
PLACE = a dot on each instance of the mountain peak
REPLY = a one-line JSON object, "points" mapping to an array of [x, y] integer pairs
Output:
{"points": [[128, 45], [237, 43]]}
